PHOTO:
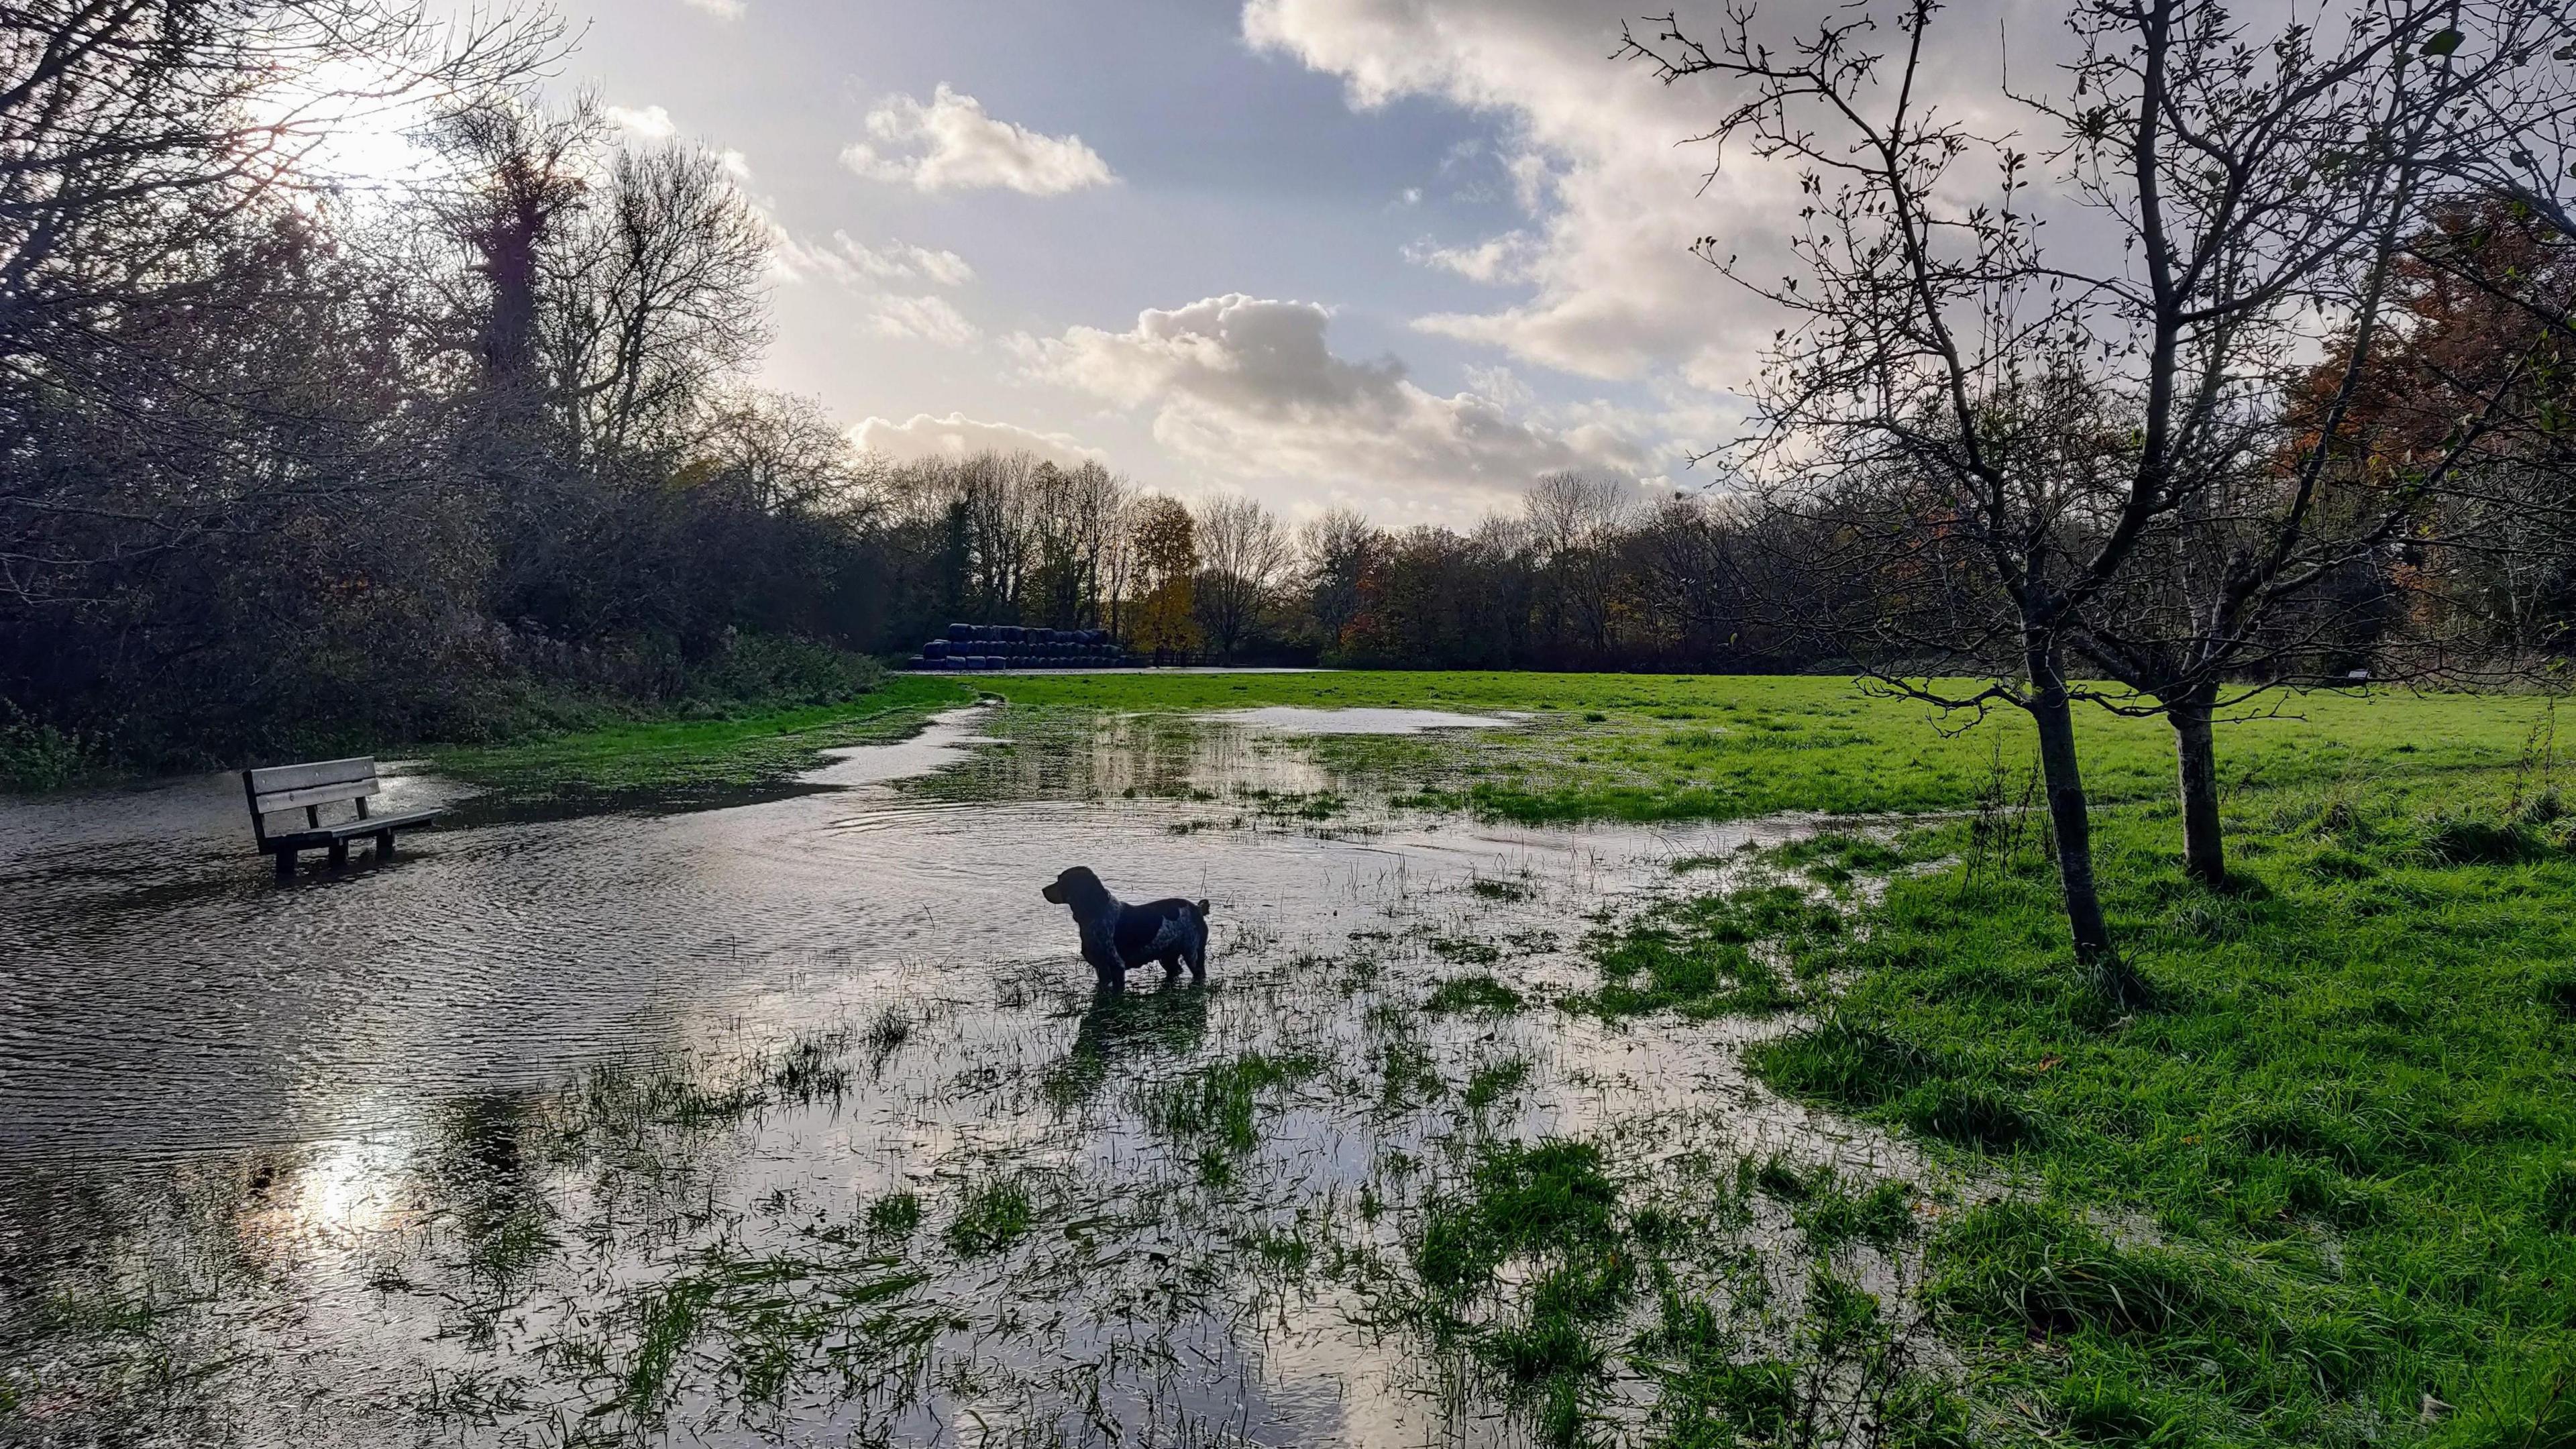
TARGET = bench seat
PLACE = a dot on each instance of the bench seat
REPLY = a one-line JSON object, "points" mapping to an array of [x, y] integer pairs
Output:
{"points": [[348, 830]]}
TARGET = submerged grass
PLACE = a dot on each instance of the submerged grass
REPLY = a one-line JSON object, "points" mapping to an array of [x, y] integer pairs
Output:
{"points": [[1217, 1104], [1727, 954], [1475, 994]]}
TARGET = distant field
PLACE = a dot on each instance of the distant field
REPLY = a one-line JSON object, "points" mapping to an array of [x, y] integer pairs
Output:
{"points": [[1615, 746], [1597, 746]]}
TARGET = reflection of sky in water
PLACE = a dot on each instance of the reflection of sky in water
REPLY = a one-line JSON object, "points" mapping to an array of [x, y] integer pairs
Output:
{"points": [[347, 1090], [1289, 719]]}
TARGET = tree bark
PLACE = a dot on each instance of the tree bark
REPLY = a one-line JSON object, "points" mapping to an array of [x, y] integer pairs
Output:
{"points": [[2204, 850], [2069, 818]]}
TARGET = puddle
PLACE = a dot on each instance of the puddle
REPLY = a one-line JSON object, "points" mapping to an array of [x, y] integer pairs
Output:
{"points": [[1289, 719], [798, 1122]]}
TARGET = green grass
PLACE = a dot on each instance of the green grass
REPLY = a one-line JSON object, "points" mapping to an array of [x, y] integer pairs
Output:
{"points": [[2320, 1190], [698, 755], [2326, 1179], [1661, 747]]}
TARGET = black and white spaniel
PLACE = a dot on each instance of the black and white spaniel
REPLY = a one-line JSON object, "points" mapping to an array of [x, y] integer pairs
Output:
{"points": [[1117, 937]]}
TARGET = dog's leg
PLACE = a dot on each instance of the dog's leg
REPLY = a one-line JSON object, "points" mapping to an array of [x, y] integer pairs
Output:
{"points": [[1198, 956], [1171, 966]]}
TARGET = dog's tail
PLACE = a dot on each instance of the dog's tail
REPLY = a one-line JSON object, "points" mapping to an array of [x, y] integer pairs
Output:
{"points": [[1203, 908]]}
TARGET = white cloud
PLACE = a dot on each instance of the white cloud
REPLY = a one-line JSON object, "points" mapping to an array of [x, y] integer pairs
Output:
{"points": [[650, 123], [853, 263], [1588, 149], [926, 318], [736, 165], [956, 435], [952, 145], [720, 9], [1246, 387], [1500, 385], [1510, 257], [902, 261], [795, 259]]}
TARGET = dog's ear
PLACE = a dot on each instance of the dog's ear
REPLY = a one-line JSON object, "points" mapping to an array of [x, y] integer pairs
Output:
{"points": [[1203, 908]]}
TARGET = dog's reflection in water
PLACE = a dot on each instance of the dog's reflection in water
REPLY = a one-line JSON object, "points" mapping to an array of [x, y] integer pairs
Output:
{"points": [[1122, 1027]]}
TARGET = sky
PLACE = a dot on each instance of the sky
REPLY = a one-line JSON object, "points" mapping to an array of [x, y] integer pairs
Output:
{"points": [[1398, 255]]}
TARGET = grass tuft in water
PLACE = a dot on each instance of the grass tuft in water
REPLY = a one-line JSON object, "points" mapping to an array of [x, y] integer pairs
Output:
{"points": [[895, 1215], [1217, 1104], [991, 1215], [1478, 993]]}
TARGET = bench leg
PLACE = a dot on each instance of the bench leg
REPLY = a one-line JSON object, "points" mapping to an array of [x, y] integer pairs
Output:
{"points": [[285, 865], [385, 845], [339, 854]]}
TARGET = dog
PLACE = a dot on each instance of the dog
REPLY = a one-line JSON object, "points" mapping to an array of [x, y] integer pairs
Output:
{"points": [[1118, 937]]}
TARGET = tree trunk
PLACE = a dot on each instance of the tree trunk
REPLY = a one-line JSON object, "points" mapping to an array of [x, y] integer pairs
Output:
{"points": [[2069, 819], [2204, 851]]}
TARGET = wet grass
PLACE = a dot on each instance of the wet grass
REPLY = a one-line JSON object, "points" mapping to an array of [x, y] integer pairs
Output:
{"points": [[1613, 1300], [2320, 1191], [1720, 955], [1216, 1104], [991, 1215]]}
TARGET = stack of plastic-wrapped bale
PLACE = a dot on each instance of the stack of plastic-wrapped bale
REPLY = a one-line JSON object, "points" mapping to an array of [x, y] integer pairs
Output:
{"points": [[1015, 646]]}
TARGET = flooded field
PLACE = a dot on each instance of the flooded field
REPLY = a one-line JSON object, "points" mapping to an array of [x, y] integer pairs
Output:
{"points": [[799, 1122]]}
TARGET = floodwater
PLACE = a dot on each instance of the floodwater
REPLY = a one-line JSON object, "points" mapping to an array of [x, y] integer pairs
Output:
{"points": [[1296, 720], [798, 1122]]}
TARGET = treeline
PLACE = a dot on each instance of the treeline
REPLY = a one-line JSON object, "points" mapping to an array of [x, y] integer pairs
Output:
{"points": [[286, 464], [1587, 573]]}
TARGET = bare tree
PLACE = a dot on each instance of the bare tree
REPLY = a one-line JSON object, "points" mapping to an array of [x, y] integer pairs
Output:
{"points": [[1075, 517], [1576, 521], [132, 132], [2000, 424], [1243, 552], [1337, 548], [518, 176], [653, 295], [1120, 568], [998, 504]]}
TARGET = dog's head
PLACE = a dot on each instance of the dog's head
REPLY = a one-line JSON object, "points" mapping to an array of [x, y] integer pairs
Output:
{"points": [[1074, 886]]}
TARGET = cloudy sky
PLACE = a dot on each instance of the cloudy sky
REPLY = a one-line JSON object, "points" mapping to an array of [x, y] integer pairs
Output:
{"points": [[1398, 254]]}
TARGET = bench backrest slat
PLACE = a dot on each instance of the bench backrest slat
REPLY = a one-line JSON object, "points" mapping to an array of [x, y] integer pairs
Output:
{"points": [[293, 787], [324, 772], [274, 800]]}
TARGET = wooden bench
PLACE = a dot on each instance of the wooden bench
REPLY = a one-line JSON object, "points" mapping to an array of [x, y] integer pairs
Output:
{"points": [[310, 787]]}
